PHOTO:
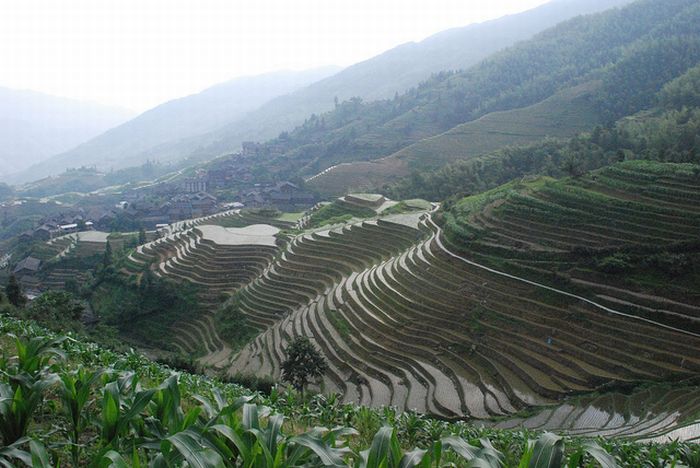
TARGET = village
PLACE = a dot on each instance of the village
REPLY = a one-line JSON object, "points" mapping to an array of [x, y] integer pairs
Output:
{"points": [[228, 185]]}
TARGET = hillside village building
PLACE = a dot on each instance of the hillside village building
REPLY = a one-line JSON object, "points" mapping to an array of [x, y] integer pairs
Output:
{"points": [[26, 272], [284, 196], [195, 185]]}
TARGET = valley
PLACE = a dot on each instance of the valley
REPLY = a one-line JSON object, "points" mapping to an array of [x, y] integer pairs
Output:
{"points": [[477, 249], [460, 312]]}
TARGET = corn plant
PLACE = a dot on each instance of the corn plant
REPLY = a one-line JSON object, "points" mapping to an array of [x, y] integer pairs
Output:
{"points": [[75, 390], [28, 377], [548, 452], [122, 404], [160, 427], [36, 457]]}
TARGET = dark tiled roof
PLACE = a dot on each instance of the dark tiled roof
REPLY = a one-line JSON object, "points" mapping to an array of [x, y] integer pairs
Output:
{"points": [[29, 263]]}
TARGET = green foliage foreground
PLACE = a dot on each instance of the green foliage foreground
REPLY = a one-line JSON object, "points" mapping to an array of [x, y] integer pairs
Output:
{"points": [[69, 403]]}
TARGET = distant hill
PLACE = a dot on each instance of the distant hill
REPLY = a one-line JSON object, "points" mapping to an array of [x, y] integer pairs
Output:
{"points": [[399, 69], [666, 132], [35, 126], [153, 134], [187, 129]]}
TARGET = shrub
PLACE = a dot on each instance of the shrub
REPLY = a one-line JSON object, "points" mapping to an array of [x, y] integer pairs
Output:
{"points": [[181, 362], [55, 308], [14, 293], [263, 384], [616, 263]]}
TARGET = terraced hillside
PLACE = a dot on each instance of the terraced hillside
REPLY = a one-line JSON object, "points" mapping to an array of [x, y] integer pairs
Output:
{"points": [[627, 236], [427, 330], [439, 331], [315, 262], [217, 259], [562, 115], [67, 257], [660, 413]]}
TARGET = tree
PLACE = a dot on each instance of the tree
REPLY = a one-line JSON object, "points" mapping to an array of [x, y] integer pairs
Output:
{"points": [[303, 363], [142, 236], [107, 258], [572, 165], [14, 293], [55, 308]]}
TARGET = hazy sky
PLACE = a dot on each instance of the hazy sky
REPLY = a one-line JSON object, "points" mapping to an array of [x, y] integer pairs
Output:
{"points": [[139, 53]]}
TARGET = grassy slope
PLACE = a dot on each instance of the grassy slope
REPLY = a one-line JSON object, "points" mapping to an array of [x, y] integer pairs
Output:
{"points": [[338, 212], [562, 115]]}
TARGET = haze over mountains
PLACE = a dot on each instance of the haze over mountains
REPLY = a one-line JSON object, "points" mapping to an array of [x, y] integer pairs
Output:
{"points": [[216, 121], [590, 70], [147, 136], [35, 126], [401, 68]]}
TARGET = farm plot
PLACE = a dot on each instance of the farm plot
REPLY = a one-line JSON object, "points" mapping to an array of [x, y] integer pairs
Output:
{"points": [[423, 329], [218, 260], [313, 263], [660, 413], [627, 236], [67, 257]]}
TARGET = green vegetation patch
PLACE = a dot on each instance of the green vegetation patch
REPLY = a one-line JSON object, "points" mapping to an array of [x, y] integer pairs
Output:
{"points": [[365, 197], [233, 326], [143, 311], [291, 217], [408, 206], [339, 212]]}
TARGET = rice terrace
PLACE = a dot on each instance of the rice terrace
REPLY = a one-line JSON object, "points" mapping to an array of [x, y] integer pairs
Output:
{"points": [[410, 314], [478, 248]]}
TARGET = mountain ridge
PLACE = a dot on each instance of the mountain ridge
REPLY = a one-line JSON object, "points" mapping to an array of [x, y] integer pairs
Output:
{"points": [[381, 76]]}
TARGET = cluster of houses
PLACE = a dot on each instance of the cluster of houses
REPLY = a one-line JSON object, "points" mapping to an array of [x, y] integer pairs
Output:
{"points": [[178, 207], [227, 173], [67, 224], [233, 172], [285, 196]]}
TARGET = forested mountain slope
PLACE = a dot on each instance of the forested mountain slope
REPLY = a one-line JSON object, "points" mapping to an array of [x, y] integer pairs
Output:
{"points": [[631, 52], [401, 68], [667, 132], [562, 115], [162, 132]]}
